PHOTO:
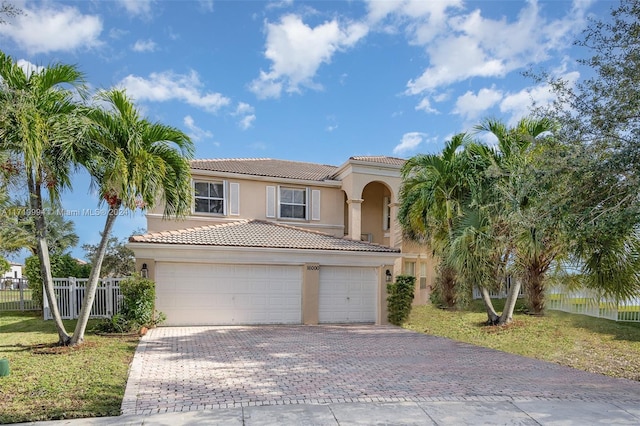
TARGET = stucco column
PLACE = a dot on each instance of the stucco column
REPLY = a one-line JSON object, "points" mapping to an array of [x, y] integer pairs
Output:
{"points": [[395, 235], [355, 219], [310, 293], [382, 311]]}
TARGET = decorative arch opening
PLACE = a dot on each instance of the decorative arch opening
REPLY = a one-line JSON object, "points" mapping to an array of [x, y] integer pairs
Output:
{"points": [[377, 218]]}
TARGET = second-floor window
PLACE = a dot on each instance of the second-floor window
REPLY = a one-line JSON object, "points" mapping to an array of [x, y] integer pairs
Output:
{"points": [[293, 203], [209, 197]]}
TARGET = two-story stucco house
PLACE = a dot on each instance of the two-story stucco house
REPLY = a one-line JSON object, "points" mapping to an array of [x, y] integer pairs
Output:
{"points": [[274, 241]]}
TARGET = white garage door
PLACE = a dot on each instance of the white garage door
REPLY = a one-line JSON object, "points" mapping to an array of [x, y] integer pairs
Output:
{"points": [[213, 294], [347, 294]]}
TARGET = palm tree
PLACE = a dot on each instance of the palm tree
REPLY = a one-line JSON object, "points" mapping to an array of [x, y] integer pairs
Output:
{"points": [[40, 125], [134, 164], [431, 196], [530, 246]]}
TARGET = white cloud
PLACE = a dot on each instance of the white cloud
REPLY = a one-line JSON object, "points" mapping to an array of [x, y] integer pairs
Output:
{"points": [[463, 44], [50, 29], [166, 86], [425, 105], [137, 7], [117, 33], [29, 67], [247, 121], [297, 50], [195, 132], [519, 104], [409, 142], [422, 20], [243, 108], [206, 5], [246, 112], [472, 105], [144, 46]]}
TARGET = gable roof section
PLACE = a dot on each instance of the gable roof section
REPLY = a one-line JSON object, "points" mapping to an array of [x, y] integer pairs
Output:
{"points": [[261, 234], [267, 167]]}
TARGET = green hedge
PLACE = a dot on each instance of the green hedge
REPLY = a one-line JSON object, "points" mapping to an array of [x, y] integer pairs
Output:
{"points": [[400, 298]]}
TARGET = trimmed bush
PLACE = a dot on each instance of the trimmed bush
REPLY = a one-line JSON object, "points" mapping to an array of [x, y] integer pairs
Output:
{"points": [[400, 298], [138, 297]]}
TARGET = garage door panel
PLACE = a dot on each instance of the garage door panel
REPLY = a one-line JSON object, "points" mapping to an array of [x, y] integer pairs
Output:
{"points": [[348, 294], [228, 294]]}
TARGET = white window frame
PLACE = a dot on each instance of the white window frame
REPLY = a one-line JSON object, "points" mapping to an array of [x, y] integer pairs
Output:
{"points": [[423, 275], [306, 202], [410, 267], [223, 198]]}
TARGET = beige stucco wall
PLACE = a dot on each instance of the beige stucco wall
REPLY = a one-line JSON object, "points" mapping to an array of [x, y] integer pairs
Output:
{"points": [[311, 294], [253, 202], [367, 185]]}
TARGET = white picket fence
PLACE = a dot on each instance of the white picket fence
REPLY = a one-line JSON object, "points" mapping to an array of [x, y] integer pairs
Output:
{"points": [[70, 295], [583, 301], [589, 302], [15, 295]]}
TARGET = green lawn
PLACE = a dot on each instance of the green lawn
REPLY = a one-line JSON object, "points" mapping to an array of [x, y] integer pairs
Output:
{"points": [[590, 344], [49, 382]]}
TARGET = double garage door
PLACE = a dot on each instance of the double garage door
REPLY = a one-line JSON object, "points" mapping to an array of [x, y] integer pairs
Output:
{"points": [[221, 294]]}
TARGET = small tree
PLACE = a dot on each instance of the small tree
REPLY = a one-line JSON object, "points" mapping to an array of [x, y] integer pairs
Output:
{"points": [[62, 266], [5, 266], [134, 163], [119, 261], [400, 298]]}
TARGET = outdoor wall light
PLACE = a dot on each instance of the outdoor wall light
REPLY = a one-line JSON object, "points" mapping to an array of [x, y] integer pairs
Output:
{"points": [[144, 271], [388, 276]]}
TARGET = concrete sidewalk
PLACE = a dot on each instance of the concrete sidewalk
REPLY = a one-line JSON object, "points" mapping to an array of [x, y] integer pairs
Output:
{"points": [[525, 412]]}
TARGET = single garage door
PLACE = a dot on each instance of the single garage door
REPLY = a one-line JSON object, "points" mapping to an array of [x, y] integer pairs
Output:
{"points": [[215, 294], [347, 294]]}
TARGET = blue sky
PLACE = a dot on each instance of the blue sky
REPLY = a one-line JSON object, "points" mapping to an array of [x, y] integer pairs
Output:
{"points": [[308, 81]]}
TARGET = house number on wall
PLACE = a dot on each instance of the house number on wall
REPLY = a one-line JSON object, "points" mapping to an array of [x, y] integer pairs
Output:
{"points": [[313, 267]]}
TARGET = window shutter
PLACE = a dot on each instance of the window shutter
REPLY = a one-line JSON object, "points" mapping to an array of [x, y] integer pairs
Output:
{"points": [[315, 204], [234, 199], [271, 201]]}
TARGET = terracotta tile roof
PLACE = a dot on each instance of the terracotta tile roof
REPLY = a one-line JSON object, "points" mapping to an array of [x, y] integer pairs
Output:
{"points": [[258, 233], [380, 159], [267, 167]]}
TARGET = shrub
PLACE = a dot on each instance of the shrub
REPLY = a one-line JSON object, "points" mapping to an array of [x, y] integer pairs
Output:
{"points": [[139, 296], [400, 298], [62, 266], [116, 324]]}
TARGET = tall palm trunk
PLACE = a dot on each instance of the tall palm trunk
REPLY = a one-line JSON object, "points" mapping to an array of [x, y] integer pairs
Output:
{"points": [[449, 274], [492, 315], [510, 303], [35, 200], [448, 284], [534, 286], [94, 277]]}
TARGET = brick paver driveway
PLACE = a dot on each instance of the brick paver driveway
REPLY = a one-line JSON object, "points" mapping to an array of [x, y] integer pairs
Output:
{"points": [[196, 368]]}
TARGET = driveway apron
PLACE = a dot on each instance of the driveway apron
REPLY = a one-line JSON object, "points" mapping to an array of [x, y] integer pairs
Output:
{"points": [[198, 368]]}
